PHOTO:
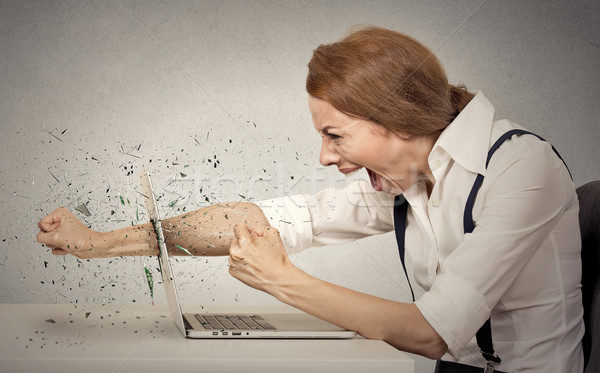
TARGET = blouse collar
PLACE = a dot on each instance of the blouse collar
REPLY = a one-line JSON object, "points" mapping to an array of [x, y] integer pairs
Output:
{"points": [[467, 139]]}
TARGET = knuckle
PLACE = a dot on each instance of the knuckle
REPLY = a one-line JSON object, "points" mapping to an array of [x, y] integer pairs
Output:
{"points": [[235, 257]]}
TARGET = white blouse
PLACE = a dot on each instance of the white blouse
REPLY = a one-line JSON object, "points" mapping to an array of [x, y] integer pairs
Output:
{"points": [[521, 264]]}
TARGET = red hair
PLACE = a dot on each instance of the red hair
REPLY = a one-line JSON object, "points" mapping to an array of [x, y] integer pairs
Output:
{"points": [[388, 78]]}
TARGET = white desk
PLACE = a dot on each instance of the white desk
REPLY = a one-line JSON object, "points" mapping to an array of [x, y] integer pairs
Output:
{"points": [[114, 338]]}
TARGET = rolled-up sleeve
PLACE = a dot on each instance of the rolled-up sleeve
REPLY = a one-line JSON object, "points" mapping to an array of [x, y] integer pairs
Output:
{"points": [[332, 216], [520, 203]]}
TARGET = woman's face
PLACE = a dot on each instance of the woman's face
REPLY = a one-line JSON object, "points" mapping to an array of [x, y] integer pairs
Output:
{"points": [[392, 162]]}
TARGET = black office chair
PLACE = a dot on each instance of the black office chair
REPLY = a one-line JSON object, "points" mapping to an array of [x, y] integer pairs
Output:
{"points": [[589, 218]]}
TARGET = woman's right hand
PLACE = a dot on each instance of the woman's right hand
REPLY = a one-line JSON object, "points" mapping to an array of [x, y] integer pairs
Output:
{"points": [[65, 234]]}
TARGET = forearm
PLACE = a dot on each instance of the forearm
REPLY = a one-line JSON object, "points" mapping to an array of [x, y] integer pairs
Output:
{"points": [[207, 231], [400, 324]]}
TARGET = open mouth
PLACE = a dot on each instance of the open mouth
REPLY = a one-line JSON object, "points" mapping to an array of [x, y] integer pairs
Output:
{"points": [[375, 180]]}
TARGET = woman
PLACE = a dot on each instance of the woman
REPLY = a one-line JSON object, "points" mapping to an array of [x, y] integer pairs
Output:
{"points": [[381, 101]]}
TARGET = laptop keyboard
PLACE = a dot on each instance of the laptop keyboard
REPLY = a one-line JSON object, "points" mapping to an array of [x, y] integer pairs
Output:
{"points": [[235, 322]]}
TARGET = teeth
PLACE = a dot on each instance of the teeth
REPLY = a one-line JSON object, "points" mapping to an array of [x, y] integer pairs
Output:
{"points": [[351, 173]]}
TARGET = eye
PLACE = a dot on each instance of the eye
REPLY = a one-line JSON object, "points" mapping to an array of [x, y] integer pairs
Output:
{"points": [[333, 136]]}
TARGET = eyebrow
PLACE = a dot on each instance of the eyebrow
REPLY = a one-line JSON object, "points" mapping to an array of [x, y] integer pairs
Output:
{"points": [[327, 128]]}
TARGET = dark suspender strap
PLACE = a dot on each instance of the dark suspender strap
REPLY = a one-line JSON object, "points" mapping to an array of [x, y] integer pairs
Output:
{"points": [[484, 334], [485, 343], [468, 224], [519, 132], [400, 212]]}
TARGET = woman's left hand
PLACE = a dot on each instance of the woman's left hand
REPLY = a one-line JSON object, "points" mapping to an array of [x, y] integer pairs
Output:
{"points": [[258, 258]]}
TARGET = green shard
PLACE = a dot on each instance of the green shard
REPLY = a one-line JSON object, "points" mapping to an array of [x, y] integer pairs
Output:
{"points": [[173, 203], [83, 209], [122, 200], [184, 250], [150, 282]]}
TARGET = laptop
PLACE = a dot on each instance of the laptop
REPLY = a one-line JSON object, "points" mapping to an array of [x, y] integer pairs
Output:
{"points": [[226, 325]]}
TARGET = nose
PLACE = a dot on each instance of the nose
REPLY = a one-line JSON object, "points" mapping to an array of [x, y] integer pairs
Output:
{"points": [[328, 157]]}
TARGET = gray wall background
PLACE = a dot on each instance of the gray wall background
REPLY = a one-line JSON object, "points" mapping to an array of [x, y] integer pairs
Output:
{"points": [[209, 96]]}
